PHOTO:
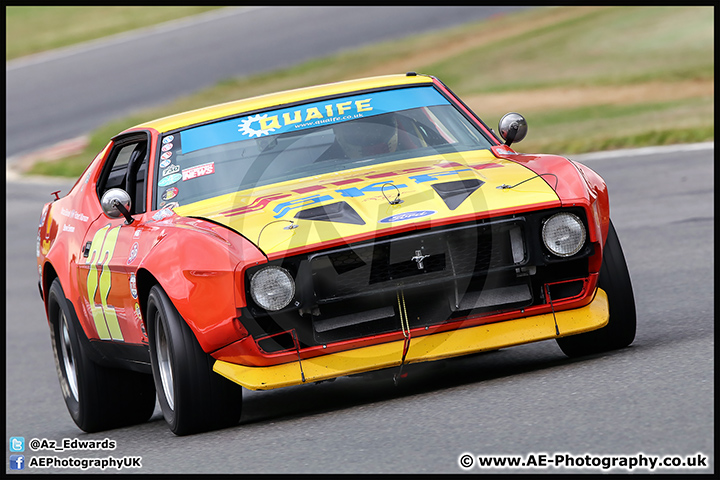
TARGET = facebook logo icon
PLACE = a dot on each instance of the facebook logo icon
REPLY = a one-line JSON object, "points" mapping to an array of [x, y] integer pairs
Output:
{"points": [[17, 462]]}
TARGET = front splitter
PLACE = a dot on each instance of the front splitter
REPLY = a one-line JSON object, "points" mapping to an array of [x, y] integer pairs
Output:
{"points": [[426, 348]]}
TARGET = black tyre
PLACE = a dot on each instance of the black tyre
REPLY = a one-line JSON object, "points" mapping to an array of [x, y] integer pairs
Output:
{"points": [[97, 397], [620, 330], [192, 397]]}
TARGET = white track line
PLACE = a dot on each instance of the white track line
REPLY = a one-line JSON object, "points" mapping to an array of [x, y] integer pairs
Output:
{"points": [[119, 38], [636, 152]]}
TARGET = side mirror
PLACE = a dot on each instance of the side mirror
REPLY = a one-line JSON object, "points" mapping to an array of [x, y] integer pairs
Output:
{"points": [[512, 128], [116, 203]]}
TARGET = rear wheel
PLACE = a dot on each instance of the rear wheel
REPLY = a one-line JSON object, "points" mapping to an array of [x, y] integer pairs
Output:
{"points": [[192, 397], [615, 281], [97, 397]]}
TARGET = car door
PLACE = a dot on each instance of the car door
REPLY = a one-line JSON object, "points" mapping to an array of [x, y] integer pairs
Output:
{"points": [[107, 269]]}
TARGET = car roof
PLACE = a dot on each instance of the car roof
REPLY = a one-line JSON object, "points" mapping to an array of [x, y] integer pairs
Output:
{"points": [[271, 100]]}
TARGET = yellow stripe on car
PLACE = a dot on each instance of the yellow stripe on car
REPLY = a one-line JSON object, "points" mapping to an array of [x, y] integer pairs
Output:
{"points": [[422, 349], [257, 211]]}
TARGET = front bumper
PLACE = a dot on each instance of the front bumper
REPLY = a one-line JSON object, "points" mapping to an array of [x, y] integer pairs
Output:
{"points": [[424, 348]]}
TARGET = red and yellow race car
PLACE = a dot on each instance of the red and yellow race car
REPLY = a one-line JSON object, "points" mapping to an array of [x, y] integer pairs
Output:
{"points": [[311, 234]]}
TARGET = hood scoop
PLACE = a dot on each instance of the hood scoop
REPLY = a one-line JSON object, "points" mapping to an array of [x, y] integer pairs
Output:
{"points": [[455, 193], [339, 212]]}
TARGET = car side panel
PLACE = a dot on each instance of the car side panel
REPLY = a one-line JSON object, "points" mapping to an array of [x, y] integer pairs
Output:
{"points": [[576, 185], [597, 186], [61, 240], [106, 281], [195, 263]]}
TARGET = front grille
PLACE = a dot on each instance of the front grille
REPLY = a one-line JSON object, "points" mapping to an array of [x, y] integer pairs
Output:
{"points": [[418, 260], [439, 273], [434, 276]]}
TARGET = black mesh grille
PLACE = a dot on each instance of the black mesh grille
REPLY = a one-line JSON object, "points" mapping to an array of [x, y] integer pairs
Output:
{"points": [[413, 260], [430, 276]]}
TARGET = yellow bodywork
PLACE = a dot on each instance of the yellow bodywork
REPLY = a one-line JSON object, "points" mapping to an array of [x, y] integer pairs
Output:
{"points": [[215, 112], [387, 198], [263, 214], [422, 349]]}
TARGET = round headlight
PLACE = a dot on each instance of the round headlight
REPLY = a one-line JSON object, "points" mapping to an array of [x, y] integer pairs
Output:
{"points": [[272, 288], [563, 234]]}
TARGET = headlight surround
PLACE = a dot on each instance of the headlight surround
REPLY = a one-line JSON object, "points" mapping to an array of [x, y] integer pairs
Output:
{"points": [[564, 234], [272, 288]]}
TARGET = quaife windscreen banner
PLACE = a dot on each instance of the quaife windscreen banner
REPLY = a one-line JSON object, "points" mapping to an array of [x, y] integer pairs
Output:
{"points": [[308, 116]]}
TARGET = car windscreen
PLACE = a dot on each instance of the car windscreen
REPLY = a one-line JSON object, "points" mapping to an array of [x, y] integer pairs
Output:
{"points": [[311, 139]]}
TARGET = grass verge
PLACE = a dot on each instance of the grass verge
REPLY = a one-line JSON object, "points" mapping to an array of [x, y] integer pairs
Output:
{"points": [[36, 29], [586, 78]]}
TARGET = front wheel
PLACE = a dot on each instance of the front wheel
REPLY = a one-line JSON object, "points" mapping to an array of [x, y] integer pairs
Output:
{"points": [[615, 281], [192, 397], [97, 397]]}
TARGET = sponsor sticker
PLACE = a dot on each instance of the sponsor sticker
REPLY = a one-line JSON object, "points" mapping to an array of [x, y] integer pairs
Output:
{"points": [[199, 171], [133, 253], [170, 193], [502, 150], [166, 155], [171, 169], [310, 115], [167, 146], [133, 285], [169, 180], [163, 214], [165, 163], [168, 139], [401, 217], [43, 216], [74, 215]]}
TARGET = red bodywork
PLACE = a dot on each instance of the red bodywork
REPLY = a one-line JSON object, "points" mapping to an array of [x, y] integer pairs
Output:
{"points": [[201, 265]]}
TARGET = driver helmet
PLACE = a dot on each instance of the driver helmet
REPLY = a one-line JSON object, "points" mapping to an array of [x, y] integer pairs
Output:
{"points": [[368, 136]]}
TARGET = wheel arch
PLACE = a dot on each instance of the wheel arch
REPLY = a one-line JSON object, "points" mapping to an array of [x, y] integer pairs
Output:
{"points": [[575, 185], [92, 352], [49, 274], [145, 282], [202, 289]]}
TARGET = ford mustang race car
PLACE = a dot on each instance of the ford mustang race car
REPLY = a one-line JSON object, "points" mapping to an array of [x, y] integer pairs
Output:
{"points": [[306, 235]]}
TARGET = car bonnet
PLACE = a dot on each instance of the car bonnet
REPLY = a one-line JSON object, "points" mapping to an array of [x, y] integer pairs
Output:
{"points": [[377, 200]]}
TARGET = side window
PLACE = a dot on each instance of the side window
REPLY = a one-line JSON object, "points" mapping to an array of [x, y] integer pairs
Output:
{"points": [[126, 169]]}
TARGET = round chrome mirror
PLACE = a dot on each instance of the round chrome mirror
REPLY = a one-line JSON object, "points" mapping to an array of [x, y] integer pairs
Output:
{"points": [[512, 128], [109, 200]]}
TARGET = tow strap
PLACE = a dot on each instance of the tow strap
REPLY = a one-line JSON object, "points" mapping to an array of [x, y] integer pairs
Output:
{"points": [[405, 327]]}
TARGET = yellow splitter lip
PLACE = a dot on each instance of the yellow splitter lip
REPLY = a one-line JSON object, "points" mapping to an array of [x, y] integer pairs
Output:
{"points": [[422, 349]]}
